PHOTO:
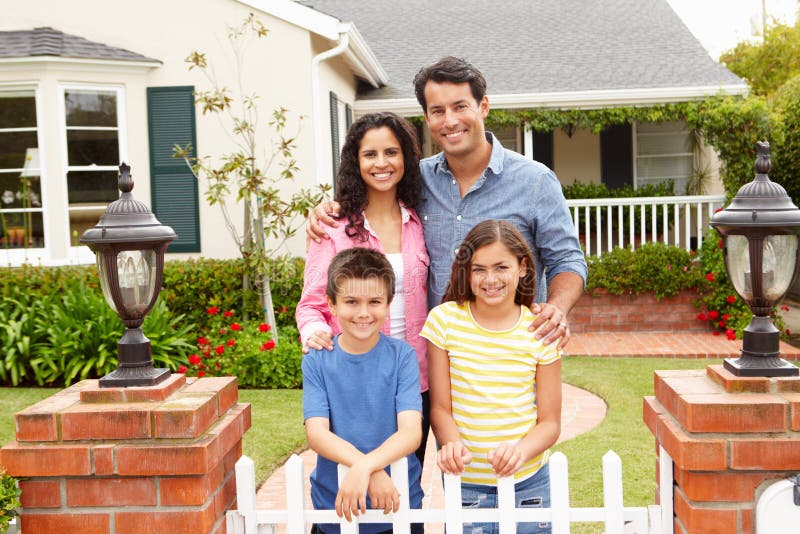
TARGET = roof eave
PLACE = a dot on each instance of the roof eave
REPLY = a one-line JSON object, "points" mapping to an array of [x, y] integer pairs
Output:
{"points": [[59, 60], [358, 54], [409, 107]]}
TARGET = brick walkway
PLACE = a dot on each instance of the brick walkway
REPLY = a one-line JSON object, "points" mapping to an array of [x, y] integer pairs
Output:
{"points": [[581, 411]]}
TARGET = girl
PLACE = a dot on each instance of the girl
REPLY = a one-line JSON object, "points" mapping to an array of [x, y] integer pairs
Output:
{"points": [[495, 388], [378, 187]]}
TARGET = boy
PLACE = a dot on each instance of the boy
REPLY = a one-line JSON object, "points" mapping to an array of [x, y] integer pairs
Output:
{"points": [[361, 401]]}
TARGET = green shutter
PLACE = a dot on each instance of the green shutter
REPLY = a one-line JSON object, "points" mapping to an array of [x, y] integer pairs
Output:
{"points": [[170, 115], [335, 147]]}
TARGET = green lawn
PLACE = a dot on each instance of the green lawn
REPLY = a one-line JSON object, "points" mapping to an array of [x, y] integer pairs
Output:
{"points": [[277, 429]]}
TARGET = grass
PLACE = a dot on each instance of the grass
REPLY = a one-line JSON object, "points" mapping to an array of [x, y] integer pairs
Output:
{"points": [[277, 429]]}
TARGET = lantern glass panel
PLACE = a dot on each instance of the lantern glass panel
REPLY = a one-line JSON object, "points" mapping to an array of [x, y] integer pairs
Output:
{"points": [[737, 260], [136, 272], [780, 253]]}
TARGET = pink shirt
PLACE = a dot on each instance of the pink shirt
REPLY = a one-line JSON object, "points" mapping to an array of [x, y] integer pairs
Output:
{"points": [[312, 310]]}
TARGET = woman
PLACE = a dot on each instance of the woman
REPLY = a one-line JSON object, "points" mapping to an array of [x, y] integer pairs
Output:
{"points": [[378, 187]]}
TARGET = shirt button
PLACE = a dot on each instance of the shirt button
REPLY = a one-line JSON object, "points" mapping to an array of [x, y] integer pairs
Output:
{"points": [[425, 218], [458, 217], [454, 182], [455, 252]]}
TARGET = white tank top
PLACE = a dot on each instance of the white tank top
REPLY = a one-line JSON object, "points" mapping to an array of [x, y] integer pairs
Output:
{"points": [[397, 309]]}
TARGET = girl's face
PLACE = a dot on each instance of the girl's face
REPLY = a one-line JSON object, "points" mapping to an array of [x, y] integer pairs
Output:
{"points": [[380, 159], [495, 274]]}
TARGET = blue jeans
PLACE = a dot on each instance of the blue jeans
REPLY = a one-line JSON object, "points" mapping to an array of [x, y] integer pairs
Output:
{"points": [[533, 492]]}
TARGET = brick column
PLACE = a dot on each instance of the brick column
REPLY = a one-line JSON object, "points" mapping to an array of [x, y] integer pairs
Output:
{"points": [[130, 460], [726, 435]]}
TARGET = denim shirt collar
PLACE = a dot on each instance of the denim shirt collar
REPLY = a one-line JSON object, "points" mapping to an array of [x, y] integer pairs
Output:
{"points": [[496, 160]]}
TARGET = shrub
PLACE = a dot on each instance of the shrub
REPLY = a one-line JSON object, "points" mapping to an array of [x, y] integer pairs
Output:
{"points": [[9, 500], [246, 350], [663, 269]]}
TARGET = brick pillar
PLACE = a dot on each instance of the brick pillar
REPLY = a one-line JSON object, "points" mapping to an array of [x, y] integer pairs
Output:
{"points": [[130, 460], [726, 435]]}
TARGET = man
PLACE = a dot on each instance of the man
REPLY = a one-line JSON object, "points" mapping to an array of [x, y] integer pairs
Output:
{"points": [[474, 178]]}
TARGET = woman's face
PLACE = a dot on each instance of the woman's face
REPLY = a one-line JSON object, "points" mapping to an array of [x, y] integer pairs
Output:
{"points": [[380, 159]]}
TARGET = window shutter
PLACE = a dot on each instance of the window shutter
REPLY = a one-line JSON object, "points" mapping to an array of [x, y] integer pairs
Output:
{"points": [[171, 119], [335, 147], [348, 115]]}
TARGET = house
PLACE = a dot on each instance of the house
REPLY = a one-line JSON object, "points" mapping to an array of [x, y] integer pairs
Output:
{"points": [[87, 84]]}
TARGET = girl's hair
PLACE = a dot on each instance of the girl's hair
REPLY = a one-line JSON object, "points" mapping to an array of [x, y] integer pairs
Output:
{"points": [[351, 191], [486, 233]]}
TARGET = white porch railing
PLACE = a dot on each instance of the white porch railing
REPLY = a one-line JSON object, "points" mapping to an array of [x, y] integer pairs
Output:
{"points": [[605, 223], [617, 519]]}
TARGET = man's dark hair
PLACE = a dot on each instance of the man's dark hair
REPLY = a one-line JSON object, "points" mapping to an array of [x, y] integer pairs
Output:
{"points": [[449, 69], [359, 263]]}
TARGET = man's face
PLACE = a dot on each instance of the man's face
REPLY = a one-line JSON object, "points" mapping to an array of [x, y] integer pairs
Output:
{"points": [[454, 117]]}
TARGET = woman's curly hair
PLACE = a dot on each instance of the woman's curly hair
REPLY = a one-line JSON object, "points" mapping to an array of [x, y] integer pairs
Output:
{"points": [[351, 191]]}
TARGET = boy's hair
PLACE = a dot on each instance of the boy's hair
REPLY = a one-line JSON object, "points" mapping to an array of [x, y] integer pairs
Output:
{"points": [[482, 234], [449, 69], [360, 264], [351, 191]]}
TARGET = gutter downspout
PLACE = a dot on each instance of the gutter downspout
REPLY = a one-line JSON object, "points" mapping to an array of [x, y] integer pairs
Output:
{"points": [[344, 40]]}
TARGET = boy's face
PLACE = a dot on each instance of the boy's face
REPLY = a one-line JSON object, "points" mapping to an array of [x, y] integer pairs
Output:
{"points": [[362, 305]]}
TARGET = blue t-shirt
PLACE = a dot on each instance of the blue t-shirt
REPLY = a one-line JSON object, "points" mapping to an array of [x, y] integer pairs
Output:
{"points": [[360, 395]]}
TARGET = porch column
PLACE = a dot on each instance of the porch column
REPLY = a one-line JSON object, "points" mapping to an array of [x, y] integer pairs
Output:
{"points": [[130, 460], [729, 438]]}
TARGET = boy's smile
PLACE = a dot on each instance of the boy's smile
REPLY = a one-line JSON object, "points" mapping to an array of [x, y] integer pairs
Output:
{"points": [[361, 308]]}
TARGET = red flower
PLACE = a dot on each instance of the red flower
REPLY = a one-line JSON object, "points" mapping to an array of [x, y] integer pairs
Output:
{"points": [[731, 299], [268, 345], [713, 315], [721, 324], [213, 310], [785, 307], [231, 342], [223, 331], [202, 341], [726, 316], [284, 309], [730, 333], [236, 326], [228, 313], [182, 369], [264, 327], [201, 374], [718, 210], [710, 277], [701, 316], [719, 243], [788, 332], [220, 349], [194, 359], [715, 332]]}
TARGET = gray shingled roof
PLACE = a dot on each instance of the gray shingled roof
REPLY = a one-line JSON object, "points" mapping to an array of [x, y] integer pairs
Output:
{"points": [[50, 42], [533, 46]]}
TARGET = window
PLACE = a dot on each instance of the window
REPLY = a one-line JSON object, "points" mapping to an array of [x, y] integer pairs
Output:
{"points": [[94, 152], [663, 152], [20, 175], [341, 118]]}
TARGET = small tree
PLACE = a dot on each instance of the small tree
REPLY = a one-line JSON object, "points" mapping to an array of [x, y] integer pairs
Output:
{"points": [[255, 175]]}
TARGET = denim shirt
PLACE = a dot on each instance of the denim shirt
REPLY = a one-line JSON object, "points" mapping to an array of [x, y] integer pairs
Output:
{"points": [[512, 188]]}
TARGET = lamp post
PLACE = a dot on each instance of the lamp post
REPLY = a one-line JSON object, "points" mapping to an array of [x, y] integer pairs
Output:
{"points": [[129, 243], [759, 232]]}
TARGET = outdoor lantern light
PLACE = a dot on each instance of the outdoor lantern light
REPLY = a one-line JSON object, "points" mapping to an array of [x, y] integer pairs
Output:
{"points": [[129, 243], [759, 232]]}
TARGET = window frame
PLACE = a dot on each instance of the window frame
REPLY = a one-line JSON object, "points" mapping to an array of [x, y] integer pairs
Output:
{"points": [[639, 181], [17, 256], [83, 251]]}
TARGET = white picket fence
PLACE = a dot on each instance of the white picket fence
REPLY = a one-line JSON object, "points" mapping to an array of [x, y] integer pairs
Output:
{"points": [[606, 223], [616, 518]]}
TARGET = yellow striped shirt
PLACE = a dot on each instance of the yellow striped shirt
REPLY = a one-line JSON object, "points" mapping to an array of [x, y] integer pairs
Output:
{"points": [[492, 383]]}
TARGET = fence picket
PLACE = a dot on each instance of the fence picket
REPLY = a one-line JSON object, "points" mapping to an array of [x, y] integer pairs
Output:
{"points": [[612, 493], [402, 519], [559, 493], [295, 494], [246, 493], [452, 504], [507, 505]]}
